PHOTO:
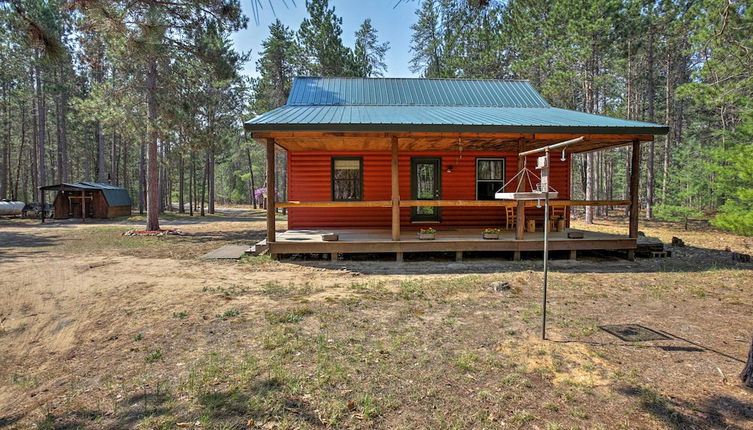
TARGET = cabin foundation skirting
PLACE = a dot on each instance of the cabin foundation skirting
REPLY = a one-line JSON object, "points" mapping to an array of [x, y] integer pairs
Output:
{"points": [[380, 241]]}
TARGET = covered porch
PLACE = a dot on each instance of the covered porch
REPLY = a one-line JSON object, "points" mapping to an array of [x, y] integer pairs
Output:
{"points": [[398, 239]]}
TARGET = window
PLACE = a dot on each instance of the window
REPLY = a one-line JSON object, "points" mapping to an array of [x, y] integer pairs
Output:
{"points": [[490, 177], [347, 178]]}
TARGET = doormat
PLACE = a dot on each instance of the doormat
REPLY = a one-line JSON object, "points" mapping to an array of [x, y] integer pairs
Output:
{"points": [[633, 332]]}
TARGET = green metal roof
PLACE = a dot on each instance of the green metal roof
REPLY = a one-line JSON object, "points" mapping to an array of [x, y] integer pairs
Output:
{"points": [[412, 92], [442, 105]]}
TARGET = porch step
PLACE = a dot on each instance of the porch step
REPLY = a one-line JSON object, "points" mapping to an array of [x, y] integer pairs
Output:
{"points": [[227, 252], [650, 247], [260, 248]]}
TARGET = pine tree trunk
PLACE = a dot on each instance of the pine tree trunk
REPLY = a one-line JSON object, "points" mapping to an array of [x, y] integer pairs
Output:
{"points": [[161, 175], [41, 117], [5, 155], [747, 374], [169, 180], [650, 113], [125, 175], [609, 180], [589, 187], [62, 128], [142, 178], [113, 175], [33, 159], [152, 168], [181, 186], [211, 181], [204, 181], [87, 158], [100, 139], [33, 146], [192, 185], [667, 117], [20, 152]]}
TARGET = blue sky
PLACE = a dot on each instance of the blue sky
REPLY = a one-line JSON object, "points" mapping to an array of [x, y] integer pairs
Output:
{"points": [[391, 20]]}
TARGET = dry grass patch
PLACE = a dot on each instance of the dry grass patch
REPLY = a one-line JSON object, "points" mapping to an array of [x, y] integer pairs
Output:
{"points": [[144, 335]]}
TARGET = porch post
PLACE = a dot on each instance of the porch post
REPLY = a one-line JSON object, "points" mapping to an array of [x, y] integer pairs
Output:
{"points": [[635, 173], [520, 214], [395, 192], [83, 206], [270, 190]]}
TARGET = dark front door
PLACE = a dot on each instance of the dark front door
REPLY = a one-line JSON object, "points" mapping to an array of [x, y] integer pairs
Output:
{"points": [[425, 185]]}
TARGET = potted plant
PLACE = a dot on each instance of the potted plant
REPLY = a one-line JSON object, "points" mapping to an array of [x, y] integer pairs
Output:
{"points": [[427, 233], [491, 233]]}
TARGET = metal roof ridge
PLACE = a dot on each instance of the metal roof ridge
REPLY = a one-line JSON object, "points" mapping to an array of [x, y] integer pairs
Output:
{"points": [[287, 106], [411, 78]]}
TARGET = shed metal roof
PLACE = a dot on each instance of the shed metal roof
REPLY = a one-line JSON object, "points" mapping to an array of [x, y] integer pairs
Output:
{"points": [[441, 105], [115, 196]]}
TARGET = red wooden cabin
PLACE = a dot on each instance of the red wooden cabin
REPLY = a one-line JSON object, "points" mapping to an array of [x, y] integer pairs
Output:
{"points": [[373, 159]]}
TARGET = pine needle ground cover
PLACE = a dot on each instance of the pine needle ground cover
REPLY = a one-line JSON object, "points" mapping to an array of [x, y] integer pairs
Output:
{"points": [[149, 336]]}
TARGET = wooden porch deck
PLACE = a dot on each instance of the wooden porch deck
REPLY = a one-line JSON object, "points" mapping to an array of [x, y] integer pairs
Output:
{"points": [[452, 240]]}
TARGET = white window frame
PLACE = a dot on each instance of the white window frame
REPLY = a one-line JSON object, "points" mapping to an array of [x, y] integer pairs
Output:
{"points": [[477, 180]]}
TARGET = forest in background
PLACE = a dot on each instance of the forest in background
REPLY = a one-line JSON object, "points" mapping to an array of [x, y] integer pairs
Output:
{"points": [[89, 88]]}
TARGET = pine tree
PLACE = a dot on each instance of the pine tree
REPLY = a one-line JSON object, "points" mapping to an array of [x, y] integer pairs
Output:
{"points": [[279, 62], [426, 42], [148, 33], [368, 52], [320, 38]]}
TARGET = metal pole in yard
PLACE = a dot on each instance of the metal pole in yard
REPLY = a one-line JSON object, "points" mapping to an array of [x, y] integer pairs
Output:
{"points": [[546, 247]]}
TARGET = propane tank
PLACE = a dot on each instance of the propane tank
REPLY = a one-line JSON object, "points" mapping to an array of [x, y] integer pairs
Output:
{"points": [[11, 208]]}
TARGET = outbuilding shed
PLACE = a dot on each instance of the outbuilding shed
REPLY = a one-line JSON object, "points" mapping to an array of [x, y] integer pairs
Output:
{"points": [[90, 200]]}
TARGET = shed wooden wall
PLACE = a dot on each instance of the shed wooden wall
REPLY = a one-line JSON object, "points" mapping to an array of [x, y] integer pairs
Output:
{"points": [[116, 211], [96, 207], [309, 179]]}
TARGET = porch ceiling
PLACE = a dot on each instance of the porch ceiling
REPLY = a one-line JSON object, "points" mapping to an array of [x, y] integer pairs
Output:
{"points": [[411, 141]]}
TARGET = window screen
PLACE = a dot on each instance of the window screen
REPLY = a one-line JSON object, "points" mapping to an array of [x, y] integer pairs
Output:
{"points": [[490, 177], [347, 178]]}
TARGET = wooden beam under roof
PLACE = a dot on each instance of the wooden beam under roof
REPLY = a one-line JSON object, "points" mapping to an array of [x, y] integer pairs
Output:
{"points": [[414, 141]]}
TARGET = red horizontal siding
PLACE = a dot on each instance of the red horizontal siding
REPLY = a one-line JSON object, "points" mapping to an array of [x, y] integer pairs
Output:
{"points": [[309, 179]]}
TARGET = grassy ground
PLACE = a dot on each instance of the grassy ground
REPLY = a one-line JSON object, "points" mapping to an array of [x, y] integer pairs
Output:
{"points": [[98, 330]]}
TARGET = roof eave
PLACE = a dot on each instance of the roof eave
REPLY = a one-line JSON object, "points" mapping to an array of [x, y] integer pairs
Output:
{"points": [[450, 128]]}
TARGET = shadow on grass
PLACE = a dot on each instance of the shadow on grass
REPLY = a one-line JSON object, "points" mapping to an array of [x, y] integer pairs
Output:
{"points": [[28, 243], [694, 346], [263, 401], [128, 414], [713, 413], [9, 420], [685, 259]]}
